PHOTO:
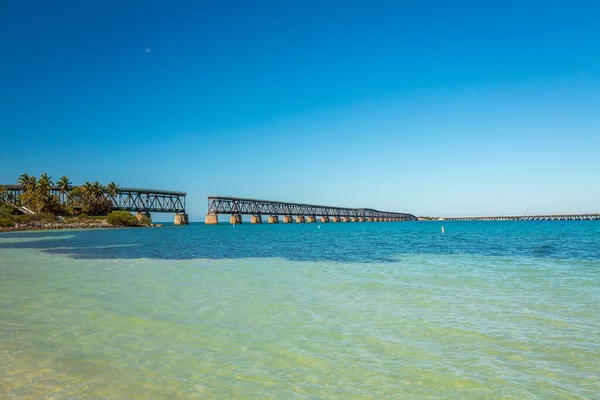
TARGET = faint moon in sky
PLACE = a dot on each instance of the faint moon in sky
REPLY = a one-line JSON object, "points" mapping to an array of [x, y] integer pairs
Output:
{"points": [[148, 50]]}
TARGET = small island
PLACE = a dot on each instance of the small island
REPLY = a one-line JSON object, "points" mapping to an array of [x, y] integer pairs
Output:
{"points": [[46, 205]]}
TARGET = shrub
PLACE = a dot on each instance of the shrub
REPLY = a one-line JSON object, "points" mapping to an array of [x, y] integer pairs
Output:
{"points": [[6, 210], [45, 216], [6, 222], [122, 218], [24, 219]]}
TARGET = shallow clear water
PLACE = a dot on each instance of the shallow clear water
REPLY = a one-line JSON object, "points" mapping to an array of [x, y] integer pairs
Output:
{"points": [[373, 310]]}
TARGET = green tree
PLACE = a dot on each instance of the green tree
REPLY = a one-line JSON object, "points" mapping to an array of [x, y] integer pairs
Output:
{"points": [[28, 185], [122, 218], [44, 185], [112, 189], [87, 194], [45, 201], [64, 185]]}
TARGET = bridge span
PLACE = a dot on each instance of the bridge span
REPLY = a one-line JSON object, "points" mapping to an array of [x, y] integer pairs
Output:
{"points": [[140, 201], [548, 217], [235, 207]]}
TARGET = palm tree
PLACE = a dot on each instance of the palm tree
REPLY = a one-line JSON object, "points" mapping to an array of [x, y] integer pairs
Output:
{"points": [[23, 181], [64, 185], [98, 191], [111, 190], [27, 182], [45, 184], [87, 191], [49, 203], [32, 184]]}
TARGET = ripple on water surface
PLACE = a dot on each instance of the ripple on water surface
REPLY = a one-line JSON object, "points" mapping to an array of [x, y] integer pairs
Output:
{"points": [[381, 311]]}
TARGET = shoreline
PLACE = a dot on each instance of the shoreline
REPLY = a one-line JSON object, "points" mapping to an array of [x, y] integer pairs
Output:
{"points": [[42, 226], [55, 226]]}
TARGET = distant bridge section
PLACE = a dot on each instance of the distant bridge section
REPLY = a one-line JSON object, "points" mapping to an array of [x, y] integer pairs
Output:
{"points": [[549, 217], [141, 201], [236, 207]]}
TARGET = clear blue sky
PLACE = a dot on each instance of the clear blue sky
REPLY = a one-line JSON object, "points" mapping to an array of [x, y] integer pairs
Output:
{"points": [[434, 108]]}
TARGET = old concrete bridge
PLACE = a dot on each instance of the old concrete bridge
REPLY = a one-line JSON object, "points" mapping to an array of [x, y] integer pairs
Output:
{"points": [[141, 201], [549, 217], [235, 207]]}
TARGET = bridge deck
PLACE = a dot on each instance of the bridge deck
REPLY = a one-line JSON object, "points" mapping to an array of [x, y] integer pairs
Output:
{"points": [[238, 205]]}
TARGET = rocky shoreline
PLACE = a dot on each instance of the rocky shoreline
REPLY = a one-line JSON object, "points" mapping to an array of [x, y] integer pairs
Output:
{"points": [[57, 225], [43, 225]]}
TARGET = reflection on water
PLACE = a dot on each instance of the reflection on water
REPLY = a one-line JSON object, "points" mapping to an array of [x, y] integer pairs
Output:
{"points": [[488, 310]]}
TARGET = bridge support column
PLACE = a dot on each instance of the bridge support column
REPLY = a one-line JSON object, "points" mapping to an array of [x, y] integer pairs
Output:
{"points": [[211, 219], [256, 219], [181, 219], [288, 219], [324, 218], [300, 219], [140, 216], [273, 219], [311, 219], [361, 219], [335, 219], [353, 219], [235, 219], [346, 219]]}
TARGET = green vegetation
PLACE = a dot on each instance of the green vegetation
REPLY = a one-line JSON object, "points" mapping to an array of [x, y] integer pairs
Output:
{"points": [[6, 217], [89, 203], [122, 218], [40, 195]]}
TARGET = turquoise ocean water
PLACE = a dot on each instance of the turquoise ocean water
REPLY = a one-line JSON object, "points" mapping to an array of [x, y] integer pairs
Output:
{"points": [[506, 310]]}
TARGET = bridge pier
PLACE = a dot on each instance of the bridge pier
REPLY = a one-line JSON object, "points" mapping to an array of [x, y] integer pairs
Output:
{"points": [[181, 219], [361, 219], [335, 219], [324, 218], [353, 219], [311, 219], [273, 219], [211, 219], [140, 216], [256, 219], [288, 219], [346, 219], [235, 219], [300, 219]]}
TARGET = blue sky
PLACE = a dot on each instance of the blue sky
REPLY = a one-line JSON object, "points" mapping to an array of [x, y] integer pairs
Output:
{"points": [[433, 108]]}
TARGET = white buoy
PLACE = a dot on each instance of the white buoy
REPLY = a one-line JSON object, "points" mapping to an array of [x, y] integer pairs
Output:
{"points": [[443, 229]]}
